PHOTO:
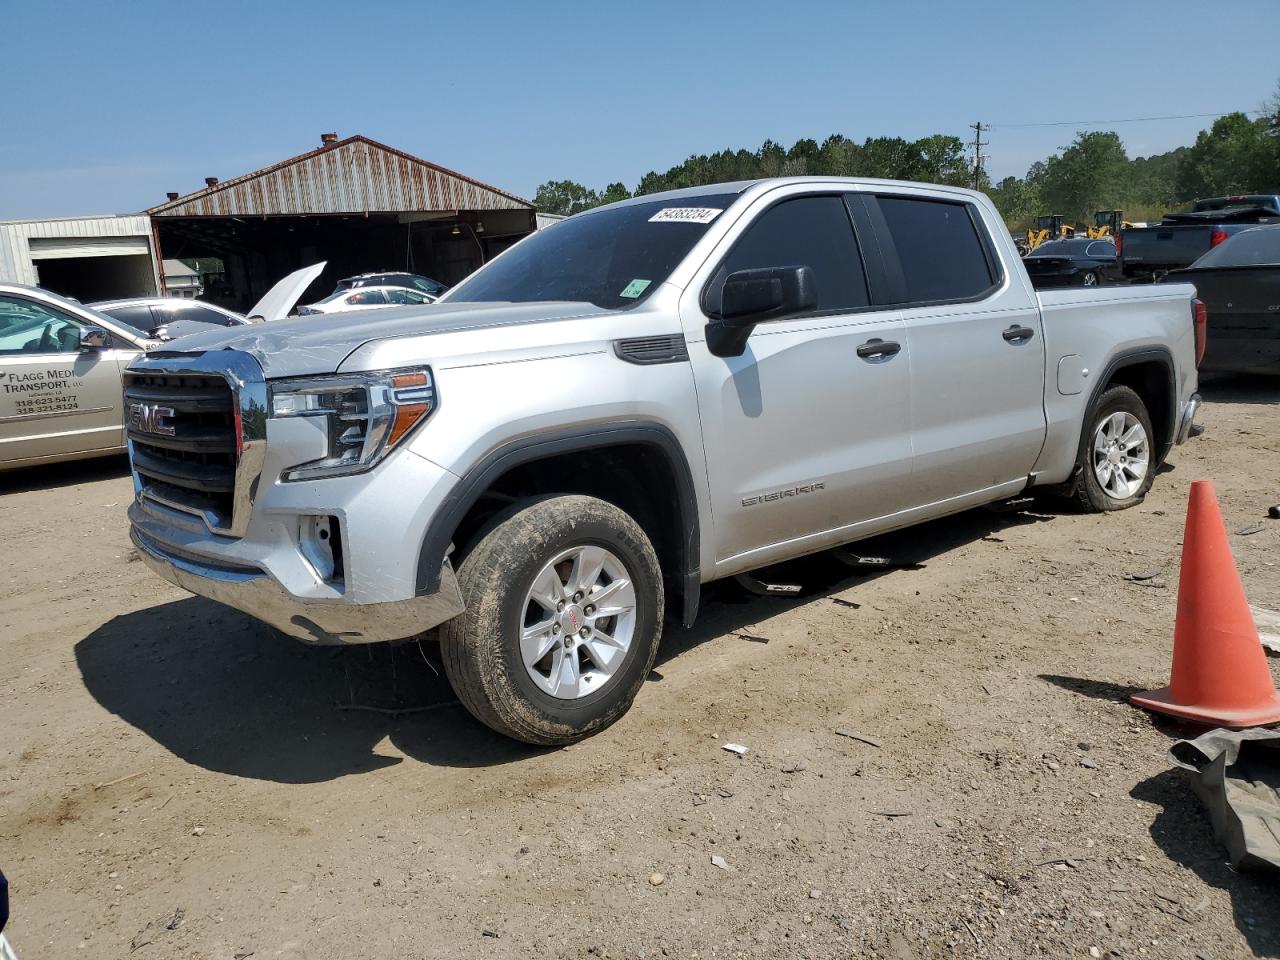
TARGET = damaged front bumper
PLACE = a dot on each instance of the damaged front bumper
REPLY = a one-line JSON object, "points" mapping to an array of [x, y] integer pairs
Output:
{"points": [[321, 622]]}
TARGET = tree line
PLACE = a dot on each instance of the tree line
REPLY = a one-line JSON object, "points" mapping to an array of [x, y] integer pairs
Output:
{"points": [[1234, 155]]}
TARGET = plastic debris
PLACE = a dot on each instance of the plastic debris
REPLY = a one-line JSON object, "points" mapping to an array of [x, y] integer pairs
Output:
{"points": [[1236, 774]]}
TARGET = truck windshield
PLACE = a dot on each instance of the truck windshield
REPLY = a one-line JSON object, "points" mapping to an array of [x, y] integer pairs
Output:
{"points": [[613, 257]]}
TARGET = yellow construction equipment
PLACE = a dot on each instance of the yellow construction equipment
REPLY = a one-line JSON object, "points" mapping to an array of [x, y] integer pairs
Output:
{"points": [[1049, 227], [1107, 223]]}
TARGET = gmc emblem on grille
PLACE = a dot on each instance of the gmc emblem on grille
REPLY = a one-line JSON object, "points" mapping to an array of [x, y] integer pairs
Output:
{"points": [[147, 417]]}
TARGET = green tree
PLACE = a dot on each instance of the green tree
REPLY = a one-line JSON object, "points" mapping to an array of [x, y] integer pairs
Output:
{"points": [[839, 157], [565, 197], [614, 192], [941, 159], [1017, 200], [1088, 175], [1235, 155], [889, 157]]}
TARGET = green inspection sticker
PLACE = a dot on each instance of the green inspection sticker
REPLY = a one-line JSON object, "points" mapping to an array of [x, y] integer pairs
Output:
{"points": [[634, 288]]}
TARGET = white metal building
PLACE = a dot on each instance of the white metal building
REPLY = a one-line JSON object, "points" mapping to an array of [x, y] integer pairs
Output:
{"points": [[89, 258], [181, 281]]}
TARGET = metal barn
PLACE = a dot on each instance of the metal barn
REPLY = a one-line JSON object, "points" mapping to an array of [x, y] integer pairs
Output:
{"points": [[358, 204]]}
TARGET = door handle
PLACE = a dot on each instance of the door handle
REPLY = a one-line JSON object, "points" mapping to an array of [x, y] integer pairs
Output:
{"points": [[1018, 334], [876, 350]]}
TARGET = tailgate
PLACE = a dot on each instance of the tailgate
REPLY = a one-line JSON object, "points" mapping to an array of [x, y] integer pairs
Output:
{"points": [[1168, 245], [1245, 300]]}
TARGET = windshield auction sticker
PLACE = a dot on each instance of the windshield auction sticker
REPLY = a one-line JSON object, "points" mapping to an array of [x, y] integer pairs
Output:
{"points": [[685, 215], [634, 289]]}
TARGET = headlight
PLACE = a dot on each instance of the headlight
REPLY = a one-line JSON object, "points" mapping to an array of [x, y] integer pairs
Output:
{"points": [[366, 415]]}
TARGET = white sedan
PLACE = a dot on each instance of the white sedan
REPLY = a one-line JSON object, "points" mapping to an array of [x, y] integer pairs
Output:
{"points": [[364, 298]]}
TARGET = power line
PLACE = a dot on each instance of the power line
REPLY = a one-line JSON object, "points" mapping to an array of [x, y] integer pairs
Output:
{"points": [[1082, 123]]}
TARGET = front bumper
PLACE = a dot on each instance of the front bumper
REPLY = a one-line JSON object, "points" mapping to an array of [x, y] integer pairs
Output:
{"points": [[321, 622]]}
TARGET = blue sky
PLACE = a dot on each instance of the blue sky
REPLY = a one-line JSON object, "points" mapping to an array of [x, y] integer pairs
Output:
{"points": [[106, 106]]}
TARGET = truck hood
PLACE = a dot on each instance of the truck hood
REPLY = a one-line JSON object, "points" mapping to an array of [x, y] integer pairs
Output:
{"points": [[280, 299], [311, 345]]}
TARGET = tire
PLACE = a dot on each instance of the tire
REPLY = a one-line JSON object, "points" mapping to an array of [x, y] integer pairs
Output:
{"points": [[482, 648], [1117, 411], [1090, 278]]}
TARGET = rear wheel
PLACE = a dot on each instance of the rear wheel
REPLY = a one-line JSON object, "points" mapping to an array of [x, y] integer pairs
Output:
{"points": [[1090, 279], [564, 606], [1116, 463]]}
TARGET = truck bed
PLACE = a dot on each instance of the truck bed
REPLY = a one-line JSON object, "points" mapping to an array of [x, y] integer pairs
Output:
{"points": [[1080, 327]]}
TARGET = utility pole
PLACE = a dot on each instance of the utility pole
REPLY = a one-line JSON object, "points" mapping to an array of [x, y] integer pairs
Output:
{"points": [[978, 158]]}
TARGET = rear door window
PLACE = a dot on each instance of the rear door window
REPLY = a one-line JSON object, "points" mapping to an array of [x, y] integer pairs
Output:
{"points": [[814, 232], [942, 255]]}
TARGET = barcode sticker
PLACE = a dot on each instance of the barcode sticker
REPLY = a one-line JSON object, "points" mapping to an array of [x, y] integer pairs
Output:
{"points": [[685, 215]]}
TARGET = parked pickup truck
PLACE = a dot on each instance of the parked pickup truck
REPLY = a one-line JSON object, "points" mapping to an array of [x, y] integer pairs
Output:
{"points": [[1147, 253], [638, 400]]}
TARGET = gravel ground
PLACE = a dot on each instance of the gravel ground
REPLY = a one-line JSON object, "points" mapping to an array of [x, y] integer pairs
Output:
{"points": [[177, 781]]}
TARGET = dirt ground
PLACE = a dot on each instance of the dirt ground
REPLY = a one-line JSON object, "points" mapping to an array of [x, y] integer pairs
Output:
{"points": [[177, 781]]}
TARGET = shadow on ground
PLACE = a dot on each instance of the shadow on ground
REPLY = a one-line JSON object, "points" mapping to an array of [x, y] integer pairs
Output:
{"points": [[53, 475], [1182, 830], [1239, 388], [228, 694]]}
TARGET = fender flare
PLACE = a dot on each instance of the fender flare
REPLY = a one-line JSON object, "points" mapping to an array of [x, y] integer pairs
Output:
{"points": [[1131, 358], [477, 479]]}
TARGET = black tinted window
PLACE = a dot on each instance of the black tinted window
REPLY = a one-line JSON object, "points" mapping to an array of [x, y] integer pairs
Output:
{"points": [[941, 254], [199, 315], [1255, 247], [812, 232], [1061, 248], [138, 317]]}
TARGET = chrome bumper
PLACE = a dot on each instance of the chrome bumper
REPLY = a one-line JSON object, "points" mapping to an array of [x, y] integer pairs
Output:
{"points": [[1187, 423], [328, 622]]}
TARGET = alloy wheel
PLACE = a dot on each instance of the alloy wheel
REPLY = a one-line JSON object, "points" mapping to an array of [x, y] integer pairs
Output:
{"points": [[579, 617]]}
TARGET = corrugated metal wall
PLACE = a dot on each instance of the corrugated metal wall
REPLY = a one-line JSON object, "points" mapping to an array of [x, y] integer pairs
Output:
{"points": [[15, 252], [356, 175]]}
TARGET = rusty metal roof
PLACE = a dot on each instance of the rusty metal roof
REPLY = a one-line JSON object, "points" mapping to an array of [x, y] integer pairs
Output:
{"points": [[355, 175]]}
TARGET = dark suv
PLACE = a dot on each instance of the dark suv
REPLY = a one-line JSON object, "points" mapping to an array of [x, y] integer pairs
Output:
{"points": [[415, 281]]}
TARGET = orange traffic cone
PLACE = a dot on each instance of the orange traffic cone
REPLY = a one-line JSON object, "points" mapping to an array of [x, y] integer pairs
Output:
{"points": [[1220, 674]]}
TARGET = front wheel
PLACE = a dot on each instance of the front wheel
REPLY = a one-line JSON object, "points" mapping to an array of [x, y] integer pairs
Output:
{"points": [[564, 608], [1116, 464]]}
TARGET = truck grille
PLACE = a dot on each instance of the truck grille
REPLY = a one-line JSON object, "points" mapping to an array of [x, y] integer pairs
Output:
{"points": [[182, 433]]}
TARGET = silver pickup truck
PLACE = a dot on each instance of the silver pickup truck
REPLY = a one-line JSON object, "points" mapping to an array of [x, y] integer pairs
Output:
{"points": [[636, 401]]}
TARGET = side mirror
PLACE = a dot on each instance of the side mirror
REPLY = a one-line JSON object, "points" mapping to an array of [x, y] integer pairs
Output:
{"points": [[94, 338], [755, 296]]}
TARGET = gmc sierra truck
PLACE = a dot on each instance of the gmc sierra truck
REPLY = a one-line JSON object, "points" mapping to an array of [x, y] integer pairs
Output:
{"points": [[636, 401]]}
